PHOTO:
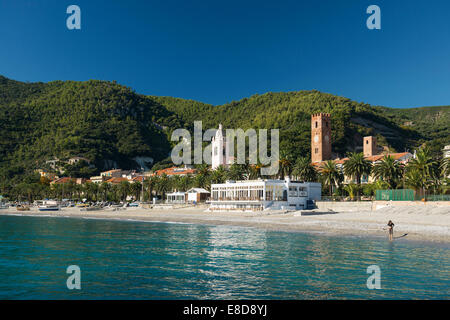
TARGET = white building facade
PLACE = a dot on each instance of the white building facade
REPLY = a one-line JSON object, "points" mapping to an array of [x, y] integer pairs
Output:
{"points": [[446, 154], [258, 195], [176, 198]]}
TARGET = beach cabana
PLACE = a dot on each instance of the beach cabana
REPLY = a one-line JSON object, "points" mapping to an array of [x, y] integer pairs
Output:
{"points": [[197, 195]]}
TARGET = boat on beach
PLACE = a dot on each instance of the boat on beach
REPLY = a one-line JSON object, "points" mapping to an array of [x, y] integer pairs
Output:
{"points": [[48, 208], [49, 205]]}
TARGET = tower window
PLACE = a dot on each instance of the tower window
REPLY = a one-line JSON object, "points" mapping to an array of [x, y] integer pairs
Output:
{"points": [[316, 150], [316, 124]]}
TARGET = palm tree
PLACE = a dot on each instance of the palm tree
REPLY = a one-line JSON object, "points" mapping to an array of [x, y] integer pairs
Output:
{"points": [[388, 170], [95, 190], [331, 176], [219, 175], [285, 167], [255, 171], [115, 190], [136, 188], [105, 188], [236, 172], [185, 183], [78, 191], [357, 166], [425, 166], [175, 183], [90, 190], [124, 189], [351, 188], [202, 179], [413, 179], [163, 185], [149, 185], [304, 170]]}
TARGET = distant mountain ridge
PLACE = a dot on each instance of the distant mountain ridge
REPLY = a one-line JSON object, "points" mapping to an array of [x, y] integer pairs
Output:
{"points": [[111, 124]]}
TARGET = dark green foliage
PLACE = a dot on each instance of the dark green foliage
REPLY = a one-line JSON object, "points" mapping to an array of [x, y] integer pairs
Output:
{"points": [[107, 123], [351, 121], [80, 169]]}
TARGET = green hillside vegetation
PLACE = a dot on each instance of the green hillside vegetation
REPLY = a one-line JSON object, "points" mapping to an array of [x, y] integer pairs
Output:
{"points": [[291, 113], [105, 122]]}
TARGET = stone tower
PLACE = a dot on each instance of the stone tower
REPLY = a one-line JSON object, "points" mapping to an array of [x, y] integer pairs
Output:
{"points": [[320, 137], [370, 146]]}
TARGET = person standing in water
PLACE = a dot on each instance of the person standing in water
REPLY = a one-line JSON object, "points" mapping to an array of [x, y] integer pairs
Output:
{"points": [[391, 230]]}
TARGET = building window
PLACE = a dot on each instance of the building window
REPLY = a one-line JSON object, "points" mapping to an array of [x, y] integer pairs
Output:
{"points": [[316, 124], [293, 192], [316, 150]]}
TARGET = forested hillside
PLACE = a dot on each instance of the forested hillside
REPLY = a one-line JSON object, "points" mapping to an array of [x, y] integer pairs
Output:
{"points": [[400, 129], [105, 122], [112, 126]]}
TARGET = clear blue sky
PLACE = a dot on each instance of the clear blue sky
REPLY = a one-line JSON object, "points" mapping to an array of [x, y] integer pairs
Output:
{"points": [[219, 51]]}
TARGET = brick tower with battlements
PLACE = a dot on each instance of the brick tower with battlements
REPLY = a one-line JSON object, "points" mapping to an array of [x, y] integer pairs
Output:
{"points": [[320, 137]]}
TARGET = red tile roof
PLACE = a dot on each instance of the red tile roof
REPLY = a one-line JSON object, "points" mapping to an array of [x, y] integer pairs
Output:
{"points": [[374, 158], [113, 170], [173, 171], [116, 180]]}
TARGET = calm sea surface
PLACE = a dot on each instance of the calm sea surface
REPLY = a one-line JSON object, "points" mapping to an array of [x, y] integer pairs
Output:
{"points": [[142, 260]]}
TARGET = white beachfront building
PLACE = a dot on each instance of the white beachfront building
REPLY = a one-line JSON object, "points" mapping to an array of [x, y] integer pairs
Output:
{"points": [[176, 197], [446, 154], [255, 195]]}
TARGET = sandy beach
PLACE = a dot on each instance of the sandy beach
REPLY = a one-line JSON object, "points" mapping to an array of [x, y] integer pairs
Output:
{"points": [[424, 223]]}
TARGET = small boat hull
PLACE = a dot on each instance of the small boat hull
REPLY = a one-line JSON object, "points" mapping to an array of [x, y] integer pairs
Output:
{"points": [[49, 209]]}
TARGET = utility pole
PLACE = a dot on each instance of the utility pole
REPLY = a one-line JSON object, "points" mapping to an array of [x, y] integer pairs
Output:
{"points": [[143, 178]]}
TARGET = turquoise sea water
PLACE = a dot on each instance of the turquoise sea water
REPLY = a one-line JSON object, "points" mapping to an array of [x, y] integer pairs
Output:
{"points": [[142, 260]]}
